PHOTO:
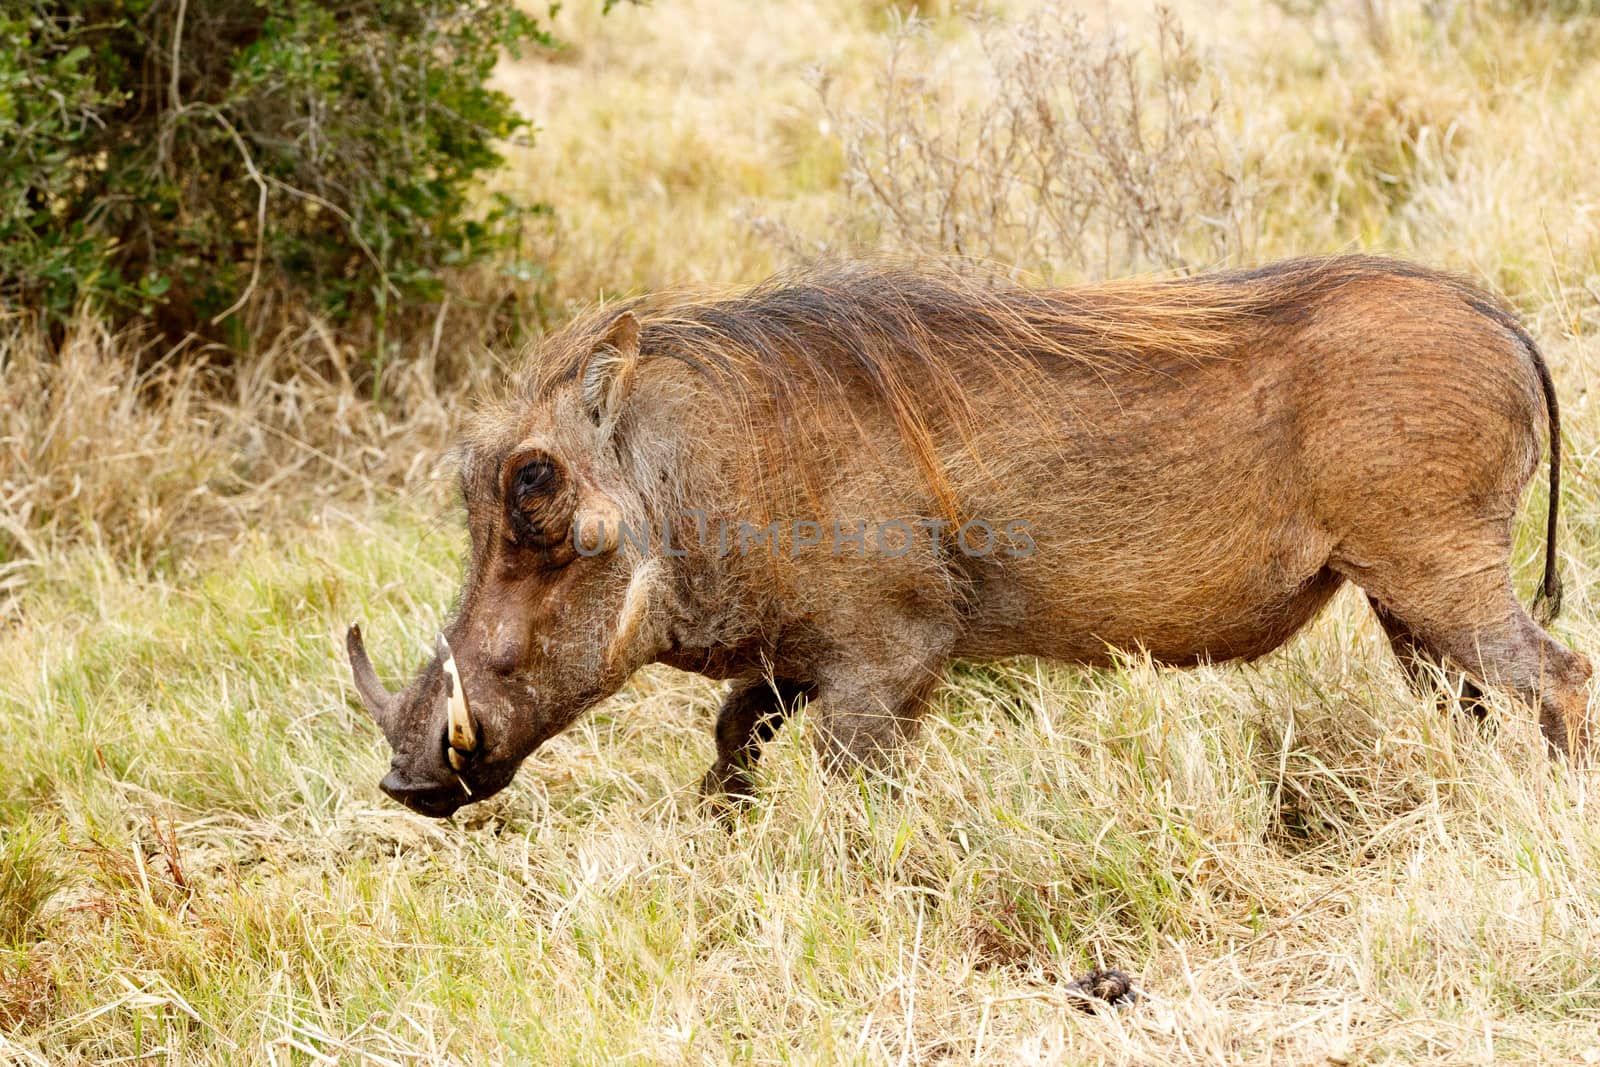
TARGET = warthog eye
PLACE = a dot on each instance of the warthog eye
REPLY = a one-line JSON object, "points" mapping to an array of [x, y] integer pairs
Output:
{"points": [[538, 500], [535, 476]]}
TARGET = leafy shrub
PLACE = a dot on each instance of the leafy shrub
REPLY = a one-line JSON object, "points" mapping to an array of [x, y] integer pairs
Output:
{"points": [[174, 157]]}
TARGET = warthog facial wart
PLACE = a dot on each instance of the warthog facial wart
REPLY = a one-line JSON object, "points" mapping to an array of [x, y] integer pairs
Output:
{"points": [[826, 489]]}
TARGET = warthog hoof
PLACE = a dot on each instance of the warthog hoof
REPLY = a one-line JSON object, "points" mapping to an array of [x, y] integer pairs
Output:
{"points": [[727, 787], [1103, 985]]}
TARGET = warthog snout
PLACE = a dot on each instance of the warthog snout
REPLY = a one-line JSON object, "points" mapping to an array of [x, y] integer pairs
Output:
{"points": [[430, 779], [442, 752], [422, 796]]}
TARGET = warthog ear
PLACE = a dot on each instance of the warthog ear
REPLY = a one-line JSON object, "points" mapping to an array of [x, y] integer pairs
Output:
{"points": [[608, 373]]}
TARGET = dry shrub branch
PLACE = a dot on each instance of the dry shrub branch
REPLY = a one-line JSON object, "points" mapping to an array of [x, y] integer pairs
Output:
{"points": [[1078, 154]]}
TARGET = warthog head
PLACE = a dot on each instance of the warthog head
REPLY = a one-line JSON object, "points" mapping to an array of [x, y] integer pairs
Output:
{"points": [[553, 617]]}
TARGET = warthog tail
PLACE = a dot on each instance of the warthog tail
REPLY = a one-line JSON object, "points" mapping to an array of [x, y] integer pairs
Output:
{"points": [[1547, 602]]}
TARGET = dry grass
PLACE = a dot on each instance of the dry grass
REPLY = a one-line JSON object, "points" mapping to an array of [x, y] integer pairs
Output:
{"points": [[151, 456], [1299, 862]]}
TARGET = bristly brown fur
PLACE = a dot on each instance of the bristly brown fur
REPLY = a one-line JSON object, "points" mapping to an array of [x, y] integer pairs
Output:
{"points": [[922, 343]]}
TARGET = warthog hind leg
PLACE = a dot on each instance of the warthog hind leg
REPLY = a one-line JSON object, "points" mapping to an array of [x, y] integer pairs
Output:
{"points": [[1471, 620], [1424, 670]]}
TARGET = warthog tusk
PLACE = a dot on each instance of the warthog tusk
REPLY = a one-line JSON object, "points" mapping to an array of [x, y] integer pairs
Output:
{"points": [[463, 735], [378, 700]]}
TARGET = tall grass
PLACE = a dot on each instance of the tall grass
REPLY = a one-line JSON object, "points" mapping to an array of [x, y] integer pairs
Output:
{"points": [[1298, 861], [150, 455]]}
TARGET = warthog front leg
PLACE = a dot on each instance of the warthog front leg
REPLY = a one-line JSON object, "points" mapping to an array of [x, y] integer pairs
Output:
{"points": [[864, 711], [751, 714]]}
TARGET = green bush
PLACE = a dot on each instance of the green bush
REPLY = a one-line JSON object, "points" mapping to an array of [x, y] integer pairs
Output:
{"points": [[176, 157]]}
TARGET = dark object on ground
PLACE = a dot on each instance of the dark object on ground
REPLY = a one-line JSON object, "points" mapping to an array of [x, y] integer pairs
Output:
{"points": [[1109, 985]]}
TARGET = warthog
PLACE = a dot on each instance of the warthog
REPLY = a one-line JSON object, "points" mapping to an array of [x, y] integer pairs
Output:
{"points": [[827, 488]]}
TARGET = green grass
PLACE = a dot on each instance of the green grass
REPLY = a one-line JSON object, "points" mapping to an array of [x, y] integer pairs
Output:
{"points": [[1298, 857]]}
